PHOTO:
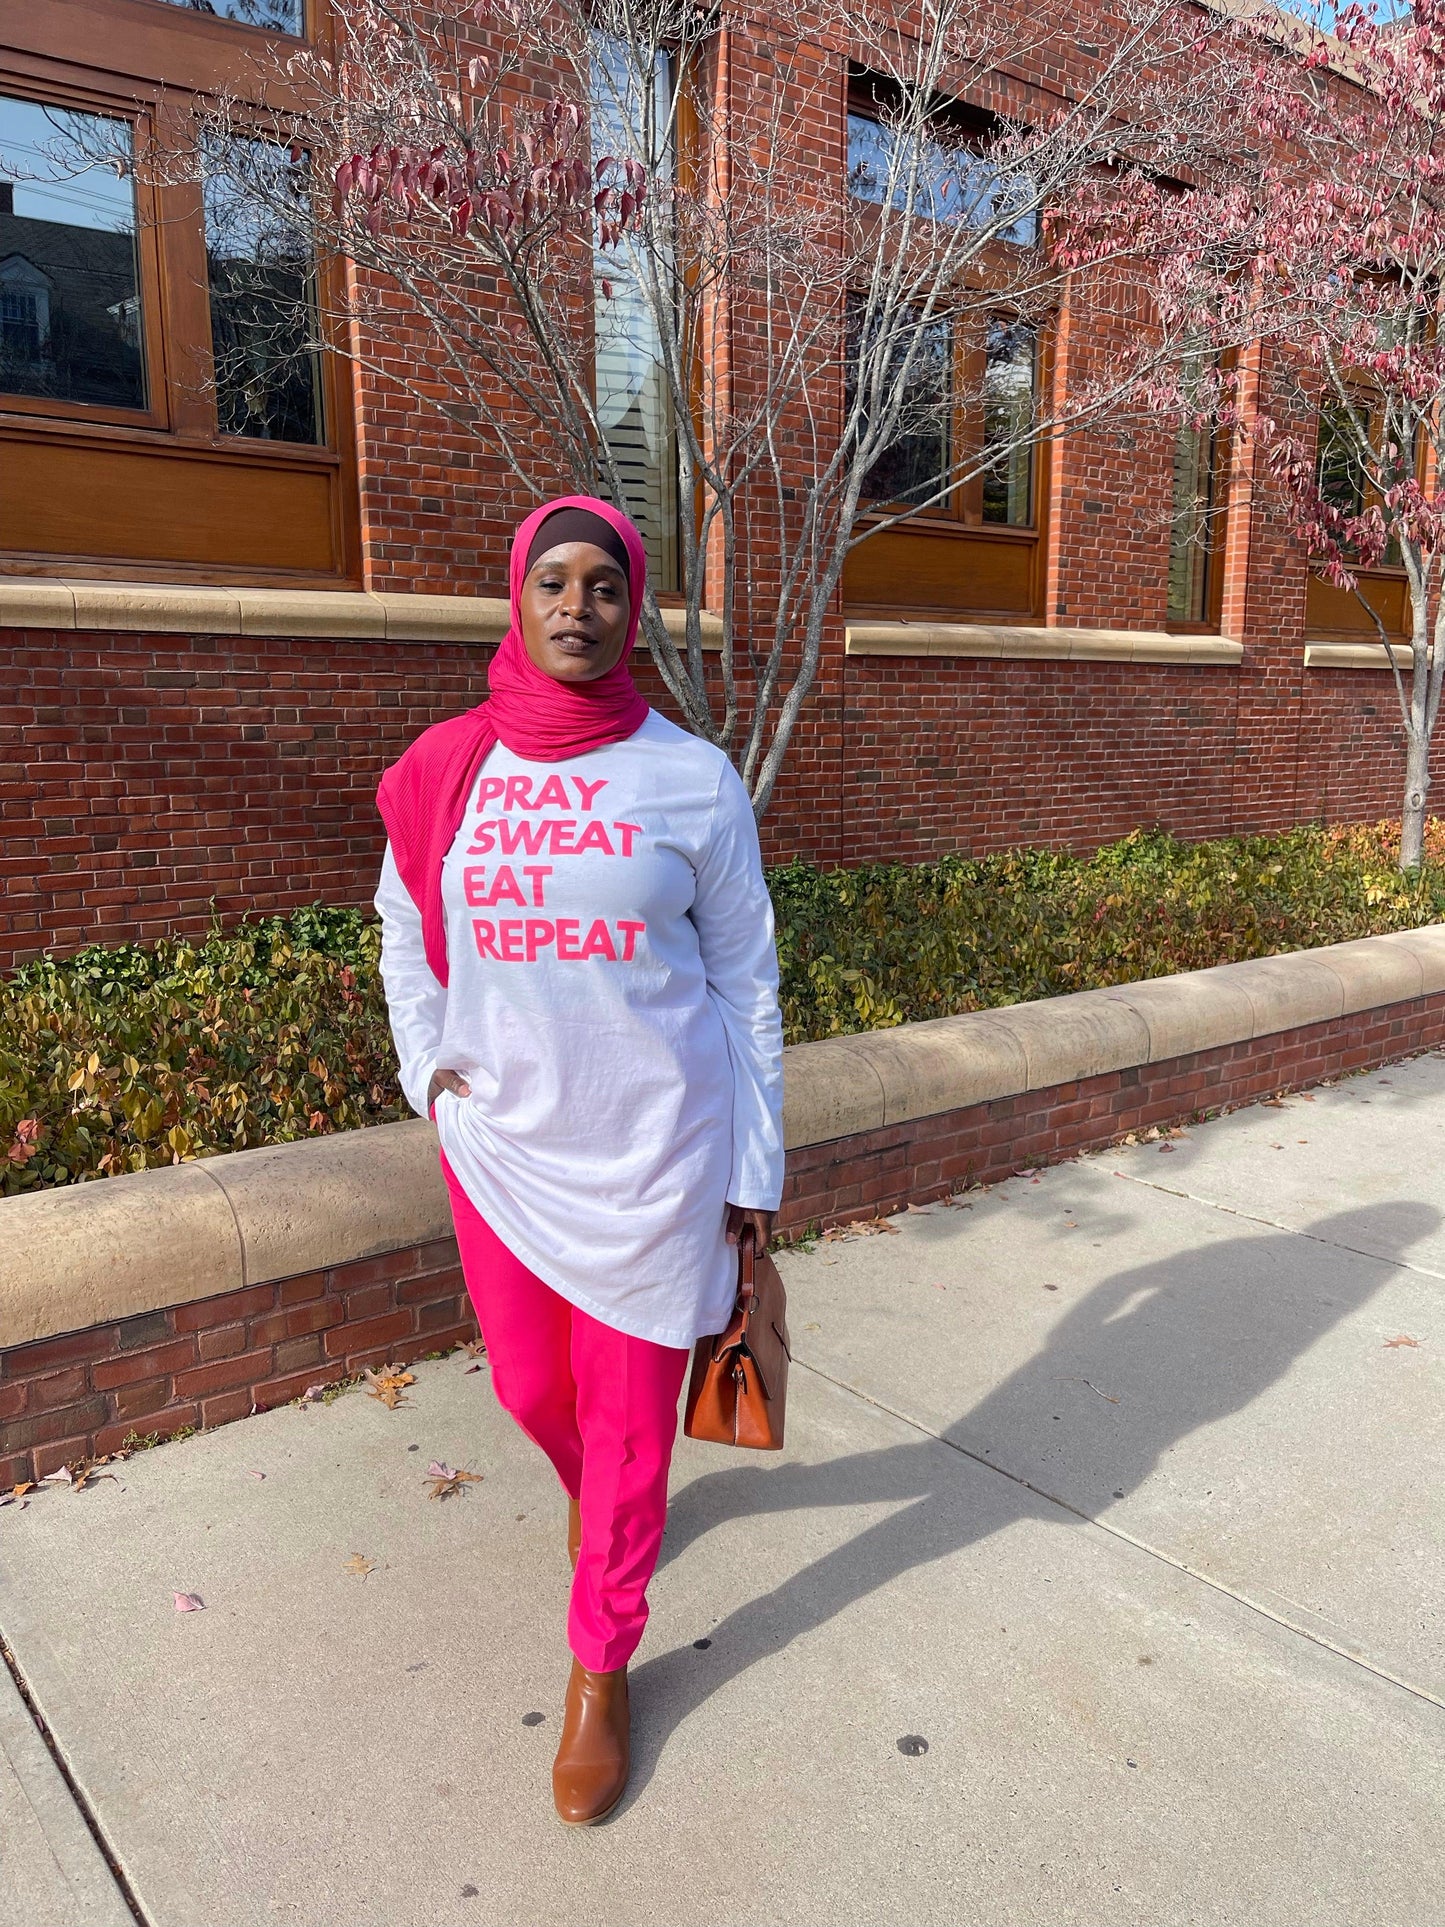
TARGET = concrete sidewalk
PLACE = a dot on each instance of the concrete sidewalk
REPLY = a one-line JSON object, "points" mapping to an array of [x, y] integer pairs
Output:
{"points": [[1119, 1487]]}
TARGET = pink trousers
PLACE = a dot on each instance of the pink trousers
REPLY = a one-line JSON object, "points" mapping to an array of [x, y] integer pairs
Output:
{"points": [[603, 1407]]}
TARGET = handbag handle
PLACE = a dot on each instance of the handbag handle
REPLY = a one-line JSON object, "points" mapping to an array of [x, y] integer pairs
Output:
{"points": [[747, 1260]]}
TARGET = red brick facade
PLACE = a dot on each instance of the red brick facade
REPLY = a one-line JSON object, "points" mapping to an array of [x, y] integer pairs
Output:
{"points": [[145, 778], [217, 1359]]}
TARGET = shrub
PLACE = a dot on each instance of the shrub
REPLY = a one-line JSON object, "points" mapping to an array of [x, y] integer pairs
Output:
{"points": [[890, 943], [118, 1059]]}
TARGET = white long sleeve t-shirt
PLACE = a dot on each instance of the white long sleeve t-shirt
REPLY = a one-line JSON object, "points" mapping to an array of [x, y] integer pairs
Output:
{"points": [[613, 1004]]}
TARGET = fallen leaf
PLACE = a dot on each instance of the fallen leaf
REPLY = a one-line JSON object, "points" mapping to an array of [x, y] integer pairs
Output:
{"points": [[80, 1472], [1166, 1147], [1392, 1344], [312, 1393], [470, 1369], [16, 1494], [189, 1602], [255, 1475], [447, 1480], [474, 1348], [861, 1228], [388, 1384], [360, 1565]]}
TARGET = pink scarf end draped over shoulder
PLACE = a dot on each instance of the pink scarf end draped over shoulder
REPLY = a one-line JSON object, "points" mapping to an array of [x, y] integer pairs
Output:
{"points": [[423, 796]]}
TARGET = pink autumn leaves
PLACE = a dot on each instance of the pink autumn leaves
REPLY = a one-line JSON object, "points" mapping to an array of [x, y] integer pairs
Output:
{"points": [[507, 189]]}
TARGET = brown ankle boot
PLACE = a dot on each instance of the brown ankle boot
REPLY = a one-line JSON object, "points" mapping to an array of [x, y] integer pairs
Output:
{"points": [[574, 1531], [589, 1774]]}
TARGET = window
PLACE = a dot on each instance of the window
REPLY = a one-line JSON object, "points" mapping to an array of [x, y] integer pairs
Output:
{"points": [[281, 16], [935, 421], [158, 335], [1192, 515], [1189, 525], [917, 460], [972, 549], [261, 281], [1340, 475], [1340, 469], [630, 115], [953, 179], [1009, 381], [70, 327]]}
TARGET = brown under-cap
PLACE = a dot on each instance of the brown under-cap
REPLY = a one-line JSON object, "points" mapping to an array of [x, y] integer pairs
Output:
{"points": [[578, 525]]}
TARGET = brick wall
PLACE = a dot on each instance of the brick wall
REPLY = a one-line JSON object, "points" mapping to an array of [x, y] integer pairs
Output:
{"points": [[218, 1359], [145, 780]]}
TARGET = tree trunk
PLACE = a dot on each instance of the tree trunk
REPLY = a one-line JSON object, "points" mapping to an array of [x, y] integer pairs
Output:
{"points": [[1417, 789]]}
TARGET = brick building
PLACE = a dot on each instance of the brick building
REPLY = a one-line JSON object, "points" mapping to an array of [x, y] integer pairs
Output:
{"points": [[232, 589]]}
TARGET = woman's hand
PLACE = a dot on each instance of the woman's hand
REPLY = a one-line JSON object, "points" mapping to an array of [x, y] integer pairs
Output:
{"points": [[452, 1081], [761, 1222]]}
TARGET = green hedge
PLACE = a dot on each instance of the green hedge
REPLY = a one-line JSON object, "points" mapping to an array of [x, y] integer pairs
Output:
{"points": [[118, 1059]]}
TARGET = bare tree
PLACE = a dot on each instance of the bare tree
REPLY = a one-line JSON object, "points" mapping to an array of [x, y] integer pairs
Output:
{"points": [[651, 258]]}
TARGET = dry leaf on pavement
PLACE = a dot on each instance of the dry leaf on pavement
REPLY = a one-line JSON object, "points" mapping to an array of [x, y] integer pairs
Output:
{"points": [[446, 1480], [189, 1602], [80, 1472], [388, 1384], [474, 1348], [1392, 1343], [16, 1494], [863, 1228], [360, 1565]]}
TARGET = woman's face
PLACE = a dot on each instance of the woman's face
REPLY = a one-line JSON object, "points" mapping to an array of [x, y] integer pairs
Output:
{"points": [[575, 610]]}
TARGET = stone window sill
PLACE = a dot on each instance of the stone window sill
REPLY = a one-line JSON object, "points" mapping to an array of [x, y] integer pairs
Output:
{"points": [[1356, 655], [30, 602], [994, 640]]}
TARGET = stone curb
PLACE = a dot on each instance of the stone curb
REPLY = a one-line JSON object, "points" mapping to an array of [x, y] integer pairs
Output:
{"points": [[84, 1254]]}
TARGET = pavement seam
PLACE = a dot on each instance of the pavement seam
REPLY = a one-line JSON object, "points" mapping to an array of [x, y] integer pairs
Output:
{"points": [[1274, 1224], [1128, 1539], [82, 1805]]}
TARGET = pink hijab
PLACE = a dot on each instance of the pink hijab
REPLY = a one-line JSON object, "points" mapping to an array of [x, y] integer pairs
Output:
{"points": [[424, 795]]}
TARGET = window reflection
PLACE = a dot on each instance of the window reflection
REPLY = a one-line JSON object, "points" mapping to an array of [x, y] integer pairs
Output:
{"points": [[914, 466], [282, 16], [70, 310], [1011, 361], [634, 398], [951, 181], [261, 275]]}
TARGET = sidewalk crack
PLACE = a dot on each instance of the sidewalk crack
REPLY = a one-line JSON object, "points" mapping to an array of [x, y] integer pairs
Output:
{"points": [[1128, 1538], [82, 1804], [1274, 1224]]}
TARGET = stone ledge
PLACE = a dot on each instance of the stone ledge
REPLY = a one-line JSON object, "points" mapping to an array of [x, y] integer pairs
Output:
{"points": [[992, 641], [116, 1247], [1356, 655], [165, 608]]}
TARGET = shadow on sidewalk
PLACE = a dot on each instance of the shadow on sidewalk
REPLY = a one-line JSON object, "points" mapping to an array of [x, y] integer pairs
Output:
{"points": [[1198, 1330]]}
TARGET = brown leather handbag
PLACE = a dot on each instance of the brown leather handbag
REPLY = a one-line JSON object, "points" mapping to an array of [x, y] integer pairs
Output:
{"points": [[739, 1387]]}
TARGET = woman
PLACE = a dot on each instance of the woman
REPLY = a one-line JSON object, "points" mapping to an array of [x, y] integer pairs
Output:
{"points": [[578, 955]]}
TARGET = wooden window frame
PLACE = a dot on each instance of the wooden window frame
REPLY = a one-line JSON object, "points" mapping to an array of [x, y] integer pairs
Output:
{"points": [[959, 520], [145, 60]]}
